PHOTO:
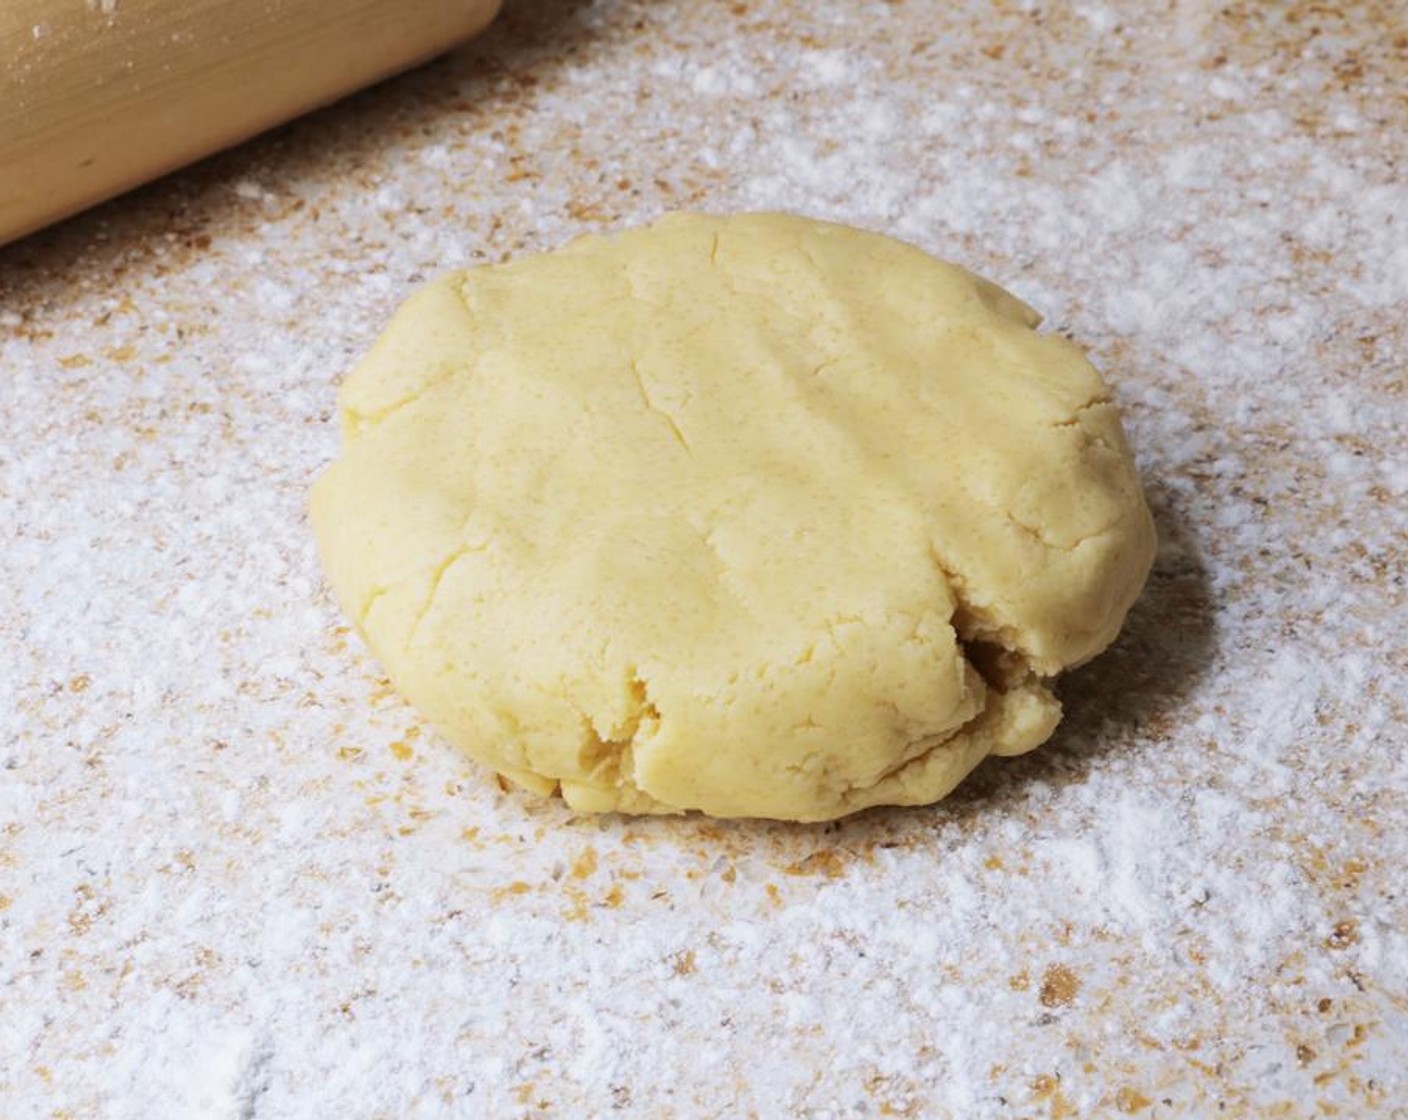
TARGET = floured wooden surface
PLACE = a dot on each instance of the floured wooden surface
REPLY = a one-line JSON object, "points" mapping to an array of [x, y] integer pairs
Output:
{"points": [[236, 877]]}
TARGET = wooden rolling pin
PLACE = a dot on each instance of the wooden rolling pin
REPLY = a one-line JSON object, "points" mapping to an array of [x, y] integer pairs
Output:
{"points": [[97, 96]]}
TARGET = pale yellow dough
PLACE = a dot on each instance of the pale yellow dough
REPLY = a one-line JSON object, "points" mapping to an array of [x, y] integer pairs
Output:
{"points": [[753, 515]]}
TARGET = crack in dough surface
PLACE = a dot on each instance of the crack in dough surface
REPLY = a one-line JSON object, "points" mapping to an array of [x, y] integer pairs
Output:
{"points": [[757, 515]]}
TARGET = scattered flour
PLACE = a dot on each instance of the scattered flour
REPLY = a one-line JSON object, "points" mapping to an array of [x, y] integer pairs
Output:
{"points": [[238, 880]]}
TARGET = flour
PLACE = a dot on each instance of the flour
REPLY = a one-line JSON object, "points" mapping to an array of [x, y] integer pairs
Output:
{"points": [[238, 880]]}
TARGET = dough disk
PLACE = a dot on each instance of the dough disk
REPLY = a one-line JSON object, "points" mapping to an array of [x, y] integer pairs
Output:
{"points": [[754, 515]]}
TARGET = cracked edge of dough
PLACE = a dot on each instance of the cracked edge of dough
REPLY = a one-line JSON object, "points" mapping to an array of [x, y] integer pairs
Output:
{"points": [[1019, 712]]}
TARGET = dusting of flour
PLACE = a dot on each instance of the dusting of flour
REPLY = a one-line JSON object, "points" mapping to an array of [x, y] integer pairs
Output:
{"points": [[238, 879]]}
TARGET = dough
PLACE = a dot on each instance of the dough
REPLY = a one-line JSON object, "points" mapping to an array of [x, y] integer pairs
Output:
{"points": [[753, 515]]}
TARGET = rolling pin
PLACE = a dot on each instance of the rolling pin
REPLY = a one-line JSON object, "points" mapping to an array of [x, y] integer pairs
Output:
{"points": [[97, 96]]}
